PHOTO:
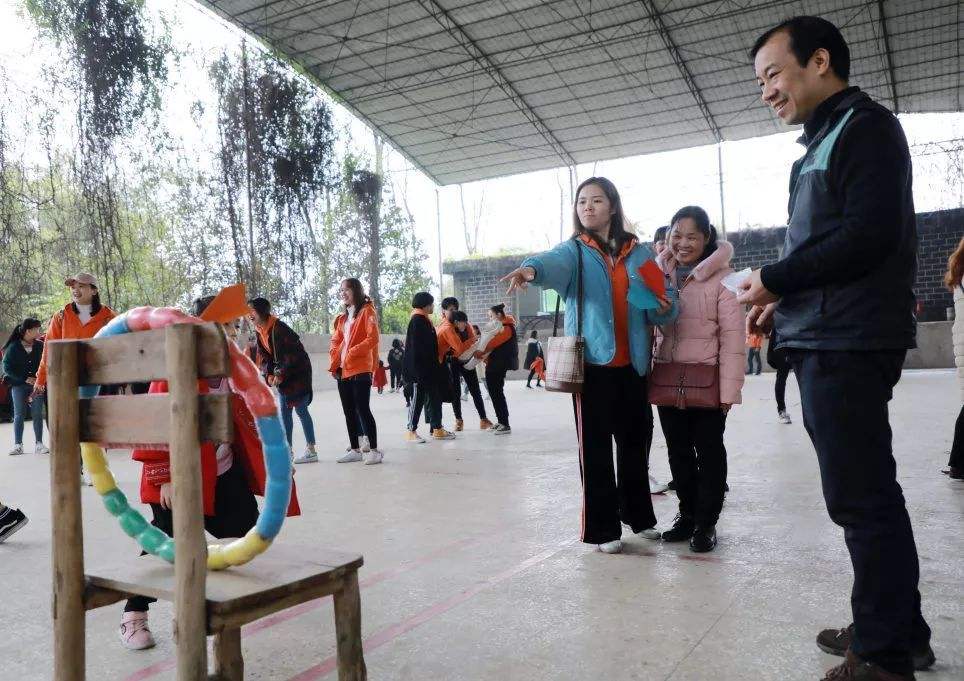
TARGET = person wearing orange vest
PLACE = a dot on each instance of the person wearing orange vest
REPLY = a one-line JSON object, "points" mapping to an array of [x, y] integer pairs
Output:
{"points": [[80, 319], [454, 339], [754, 343], [501, 356], [353, 354]]}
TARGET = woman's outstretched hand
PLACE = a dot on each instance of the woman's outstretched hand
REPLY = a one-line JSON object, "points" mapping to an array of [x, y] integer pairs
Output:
{"points": [[519, 279]]}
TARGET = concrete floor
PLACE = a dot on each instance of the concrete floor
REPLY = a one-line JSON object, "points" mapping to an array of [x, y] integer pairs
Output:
{"points": [[473, 569]]}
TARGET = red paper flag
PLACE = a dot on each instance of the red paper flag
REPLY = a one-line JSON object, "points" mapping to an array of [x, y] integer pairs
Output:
{"points": [[654, 278]]}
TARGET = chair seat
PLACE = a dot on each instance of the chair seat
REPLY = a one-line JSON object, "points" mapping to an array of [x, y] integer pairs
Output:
{"points": [[282, 577]]}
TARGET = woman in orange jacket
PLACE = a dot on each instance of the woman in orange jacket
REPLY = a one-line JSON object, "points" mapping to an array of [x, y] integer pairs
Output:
{"points": [[354, 347], [80, 319]]}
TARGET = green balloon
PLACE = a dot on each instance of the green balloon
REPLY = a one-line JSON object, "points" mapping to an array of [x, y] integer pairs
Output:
{"points": [[166, 550], [132, 522], [115, 502], [151, 539]]}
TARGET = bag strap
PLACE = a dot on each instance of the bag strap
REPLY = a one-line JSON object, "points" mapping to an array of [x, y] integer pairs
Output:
{"points": [[555, 322]]}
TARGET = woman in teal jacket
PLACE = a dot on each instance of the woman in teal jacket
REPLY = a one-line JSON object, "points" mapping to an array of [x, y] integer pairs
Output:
{"points": [[613, 404], [21, 360]]}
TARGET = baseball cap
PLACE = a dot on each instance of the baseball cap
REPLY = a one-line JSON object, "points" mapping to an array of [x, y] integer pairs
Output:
{"points": [[82, 278]]}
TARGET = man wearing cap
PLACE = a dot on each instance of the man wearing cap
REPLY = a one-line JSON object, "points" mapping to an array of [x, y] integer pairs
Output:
{"points": [[81, 318]]}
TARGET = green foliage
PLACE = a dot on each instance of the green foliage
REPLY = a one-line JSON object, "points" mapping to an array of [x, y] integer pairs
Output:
{"points": [[267, 202], [119, 65]]}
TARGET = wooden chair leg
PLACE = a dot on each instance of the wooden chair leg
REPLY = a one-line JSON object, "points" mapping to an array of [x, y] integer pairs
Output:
{"points": [[228, 663], [351, 659], [68, 533]]}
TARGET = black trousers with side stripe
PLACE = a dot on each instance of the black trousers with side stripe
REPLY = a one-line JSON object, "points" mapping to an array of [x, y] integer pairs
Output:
{"points": [[614, 406]]}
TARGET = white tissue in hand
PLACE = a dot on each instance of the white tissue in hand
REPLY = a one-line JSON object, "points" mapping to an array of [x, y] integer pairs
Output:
{"points": [[735, 280]]}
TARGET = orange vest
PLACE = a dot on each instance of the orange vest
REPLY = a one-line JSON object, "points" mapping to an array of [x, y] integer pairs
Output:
{"points": [[619, 279]]}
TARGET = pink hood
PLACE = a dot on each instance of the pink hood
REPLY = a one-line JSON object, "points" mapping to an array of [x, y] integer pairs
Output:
{"points": [[710, 326]]}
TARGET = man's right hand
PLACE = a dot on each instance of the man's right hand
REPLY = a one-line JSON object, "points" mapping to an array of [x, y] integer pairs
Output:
{"points": [[760, 319], [519, 279]]}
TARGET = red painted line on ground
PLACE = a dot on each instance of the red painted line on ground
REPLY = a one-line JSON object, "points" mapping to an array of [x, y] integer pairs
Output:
{"points": [[390, 633]]}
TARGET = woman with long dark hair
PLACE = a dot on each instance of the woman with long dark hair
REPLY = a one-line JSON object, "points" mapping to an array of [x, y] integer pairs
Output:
{"points": [[21, 361], [354, 355], [285, 365], [954, 280], [613, 404], [709, 332]]}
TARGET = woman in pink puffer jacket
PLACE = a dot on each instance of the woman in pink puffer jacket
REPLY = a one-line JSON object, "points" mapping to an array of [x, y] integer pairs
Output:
{"points": [[709, 330]]}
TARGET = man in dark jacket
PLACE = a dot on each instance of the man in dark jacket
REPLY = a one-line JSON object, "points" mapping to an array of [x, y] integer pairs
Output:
{"points": [[842, 301], [421, 369]]}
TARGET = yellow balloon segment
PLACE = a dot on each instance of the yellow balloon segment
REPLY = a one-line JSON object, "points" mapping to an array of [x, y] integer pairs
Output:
{"points": [[220, 556]]}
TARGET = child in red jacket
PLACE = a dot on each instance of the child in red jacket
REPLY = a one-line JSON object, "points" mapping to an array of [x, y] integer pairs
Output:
{"points": [[231, 474], [380, 380]]}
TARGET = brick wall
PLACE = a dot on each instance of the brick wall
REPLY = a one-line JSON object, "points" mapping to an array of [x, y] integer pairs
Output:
{"points": [[477, 287]]}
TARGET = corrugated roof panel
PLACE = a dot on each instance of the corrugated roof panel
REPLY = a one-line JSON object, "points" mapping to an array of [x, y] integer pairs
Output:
{"points": [[469, 89]]}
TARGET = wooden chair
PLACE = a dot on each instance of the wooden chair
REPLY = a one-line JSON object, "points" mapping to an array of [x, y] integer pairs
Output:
{"points": [[215, 603]]}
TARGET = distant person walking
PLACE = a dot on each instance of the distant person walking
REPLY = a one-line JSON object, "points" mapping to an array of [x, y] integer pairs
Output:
{"points": [[777, 358], [754, 345], [534, 352], [21, 361], [395, 356]]}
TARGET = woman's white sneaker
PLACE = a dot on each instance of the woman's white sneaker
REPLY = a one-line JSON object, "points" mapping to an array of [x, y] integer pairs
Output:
{"points": [[373, 457], [17, 450], [351, 456], [611, 547], [652, 533], [41, 448], [307, 457]]}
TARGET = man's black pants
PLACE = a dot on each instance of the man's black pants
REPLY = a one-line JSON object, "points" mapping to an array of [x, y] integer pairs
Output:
{"points": [[844, 396]]}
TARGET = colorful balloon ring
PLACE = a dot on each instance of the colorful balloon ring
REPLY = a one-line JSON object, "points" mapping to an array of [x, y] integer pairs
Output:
{"points": [[245, 382]]}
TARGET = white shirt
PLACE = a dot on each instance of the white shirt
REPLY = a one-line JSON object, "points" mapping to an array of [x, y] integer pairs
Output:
{"points": [[346, 332], [83, 311]]}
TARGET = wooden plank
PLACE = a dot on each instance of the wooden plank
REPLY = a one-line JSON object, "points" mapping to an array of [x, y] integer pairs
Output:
{"points": [[239, 612], [351, 659], [96, 597], [280, 570], [146, 419], [67, 548], [139, 357], [228, 662], [190, 569]]}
